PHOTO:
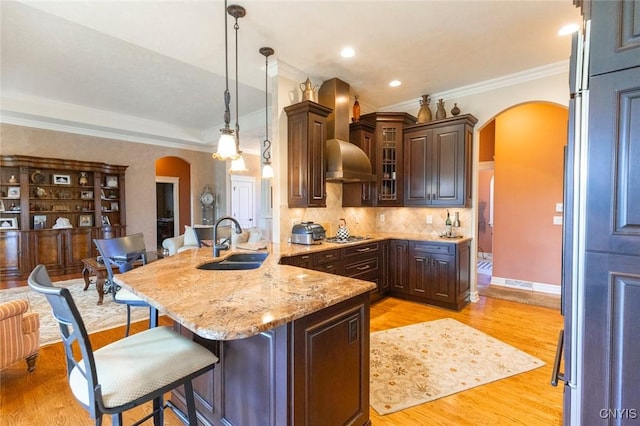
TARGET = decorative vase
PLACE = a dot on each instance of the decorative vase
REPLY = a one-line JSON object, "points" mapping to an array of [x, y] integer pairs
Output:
{"points": [[83, 179], [441, 112], [356, 110], [455, 110], [424, 114]]}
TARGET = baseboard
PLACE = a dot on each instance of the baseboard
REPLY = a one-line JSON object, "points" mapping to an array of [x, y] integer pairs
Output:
{"points": [[526, 285]]}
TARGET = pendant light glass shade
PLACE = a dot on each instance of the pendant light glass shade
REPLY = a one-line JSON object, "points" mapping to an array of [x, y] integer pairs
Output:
{"points": [[238, 165], [226, 146], [267, 171]]}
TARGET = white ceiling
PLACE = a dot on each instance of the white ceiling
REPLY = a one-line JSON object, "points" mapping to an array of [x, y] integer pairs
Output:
{"points": [[154, 70]]}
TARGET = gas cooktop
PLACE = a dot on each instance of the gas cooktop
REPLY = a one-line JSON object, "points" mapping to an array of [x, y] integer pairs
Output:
{"points": [[351, 239]]}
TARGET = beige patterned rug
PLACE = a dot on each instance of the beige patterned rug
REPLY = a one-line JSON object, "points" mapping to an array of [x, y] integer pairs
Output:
{"points": [[95, 317], [419, 363]]}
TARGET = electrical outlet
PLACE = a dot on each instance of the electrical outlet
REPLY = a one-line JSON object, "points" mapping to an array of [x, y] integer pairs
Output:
{"points": [[429, 219], [381, 217], [559, 207]]}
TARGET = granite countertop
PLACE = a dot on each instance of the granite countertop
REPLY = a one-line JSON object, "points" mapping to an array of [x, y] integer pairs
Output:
{"points": [[287, 250], [227, 305]]}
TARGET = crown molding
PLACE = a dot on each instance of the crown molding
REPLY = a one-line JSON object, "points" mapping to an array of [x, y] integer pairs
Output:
{"points": [[537, 73]]}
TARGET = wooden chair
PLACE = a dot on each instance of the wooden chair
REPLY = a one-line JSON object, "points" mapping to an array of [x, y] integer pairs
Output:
{"points": [[123, 253], [126, 373]]}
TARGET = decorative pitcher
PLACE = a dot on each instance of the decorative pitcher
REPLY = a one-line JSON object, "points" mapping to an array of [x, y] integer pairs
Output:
{"points": [[308, 90]]}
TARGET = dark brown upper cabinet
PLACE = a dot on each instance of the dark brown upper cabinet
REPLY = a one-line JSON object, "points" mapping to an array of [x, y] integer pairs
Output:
{"points": [[306, 137], [437, 162]]}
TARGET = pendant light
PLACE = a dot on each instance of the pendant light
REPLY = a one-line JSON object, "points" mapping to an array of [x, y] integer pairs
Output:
{"points": [[227, 146], [267, 170], [237, 165]]}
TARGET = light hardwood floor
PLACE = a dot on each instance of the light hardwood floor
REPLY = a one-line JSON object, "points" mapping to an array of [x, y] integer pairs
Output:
{"points": [[44, 398]]}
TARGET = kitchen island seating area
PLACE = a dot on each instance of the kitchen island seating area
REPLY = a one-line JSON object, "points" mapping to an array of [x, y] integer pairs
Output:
{"points": [[122, 253], [128, 372]]}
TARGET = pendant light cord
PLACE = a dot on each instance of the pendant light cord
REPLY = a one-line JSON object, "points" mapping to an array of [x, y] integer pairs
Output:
{"points": [[236, 27], [266, 51], [227, 95]]}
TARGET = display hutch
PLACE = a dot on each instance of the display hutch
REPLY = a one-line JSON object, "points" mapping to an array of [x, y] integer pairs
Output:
{"points": [[51, 210], [389, 163]]}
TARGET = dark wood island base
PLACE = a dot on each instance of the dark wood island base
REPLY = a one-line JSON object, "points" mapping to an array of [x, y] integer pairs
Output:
{"points": [[311, 371]]}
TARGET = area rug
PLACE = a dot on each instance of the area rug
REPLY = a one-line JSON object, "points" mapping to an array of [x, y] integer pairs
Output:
{"points": [[422, 362], [95, 317]]}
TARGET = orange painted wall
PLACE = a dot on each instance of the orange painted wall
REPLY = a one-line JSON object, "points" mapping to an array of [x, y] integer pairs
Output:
{"points": [[528, 183], [487, 142], [485, 232], [177, 167]]}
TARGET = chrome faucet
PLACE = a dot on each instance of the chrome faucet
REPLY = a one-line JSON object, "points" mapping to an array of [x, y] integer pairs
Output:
{"points": [[217, 247]]}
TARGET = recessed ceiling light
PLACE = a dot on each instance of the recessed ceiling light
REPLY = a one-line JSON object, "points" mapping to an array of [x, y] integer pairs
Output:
{"points": [[348, 52], [395, 83], [568, 29]]}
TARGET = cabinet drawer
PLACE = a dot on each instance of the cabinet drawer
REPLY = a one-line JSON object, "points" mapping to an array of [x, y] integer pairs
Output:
{"points": [[444, 248], [323, 257], [335, 267], [303, 261], [369, 267], [361, 249]]}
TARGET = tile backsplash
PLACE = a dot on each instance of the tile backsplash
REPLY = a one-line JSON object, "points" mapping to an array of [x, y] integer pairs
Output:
{"points": [[364, 220]]}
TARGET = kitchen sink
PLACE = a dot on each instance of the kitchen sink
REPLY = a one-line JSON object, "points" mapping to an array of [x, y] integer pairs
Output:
{"points": [[236, 262], [247, 257]]}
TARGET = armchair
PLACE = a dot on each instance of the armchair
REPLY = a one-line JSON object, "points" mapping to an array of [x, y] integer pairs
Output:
{"points": [[191, 240], [19, 334]]}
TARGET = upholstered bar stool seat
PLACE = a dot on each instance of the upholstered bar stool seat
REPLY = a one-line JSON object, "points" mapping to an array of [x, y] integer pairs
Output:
{"points": [[138, 365]]}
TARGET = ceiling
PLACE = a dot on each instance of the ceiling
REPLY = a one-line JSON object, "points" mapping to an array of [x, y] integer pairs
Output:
{"points": [[154, 71]]}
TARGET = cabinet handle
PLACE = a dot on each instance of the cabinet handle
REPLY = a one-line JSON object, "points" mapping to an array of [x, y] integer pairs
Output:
{"points": [[555, 373], [363, 249], [305, 257], [363, 268]]}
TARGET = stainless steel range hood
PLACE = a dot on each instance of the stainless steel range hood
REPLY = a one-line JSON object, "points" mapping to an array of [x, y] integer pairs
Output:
{"points": [[345, 162]]}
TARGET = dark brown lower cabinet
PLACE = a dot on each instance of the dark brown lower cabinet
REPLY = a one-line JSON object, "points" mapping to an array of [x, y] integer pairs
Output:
{"points": [[437, 273], [398, 266], [60, 250], [290, 375]]}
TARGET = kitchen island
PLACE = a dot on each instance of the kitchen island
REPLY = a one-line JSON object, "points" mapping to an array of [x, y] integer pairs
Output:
{"points": [[293, 344]]}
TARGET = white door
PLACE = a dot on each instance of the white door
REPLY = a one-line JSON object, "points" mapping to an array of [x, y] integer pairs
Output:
{"points": [[243, 200]]}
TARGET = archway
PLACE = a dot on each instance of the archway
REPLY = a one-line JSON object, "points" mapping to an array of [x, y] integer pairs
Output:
{"points": [[173, 205], [523, 148]]}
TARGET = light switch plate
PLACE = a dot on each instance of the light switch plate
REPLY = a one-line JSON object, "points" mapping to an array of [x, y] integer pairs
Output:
{"points": [[557, 220], [559, 207], [429, 219]]}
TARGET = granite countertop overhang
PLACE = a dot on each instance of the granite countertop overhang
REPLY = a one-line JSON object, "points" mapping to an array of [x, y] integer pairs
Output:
{"points": [[228, 305]]}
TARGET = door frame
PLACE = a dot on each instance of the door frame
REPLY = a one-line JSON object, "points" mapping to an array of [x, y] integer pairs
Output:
{"points": [[176, 200], [242, 178]]}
